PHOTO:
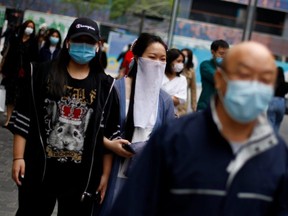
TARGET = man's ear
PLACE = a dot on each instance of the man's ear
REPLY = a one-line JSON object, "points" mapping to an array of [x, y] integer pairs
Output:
{"points": [[213, 53]]}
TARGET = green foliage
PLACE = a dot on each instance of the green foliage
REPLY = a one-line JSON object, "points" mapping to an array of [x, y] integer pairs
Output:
{"points": [[119, 7], [86, 8], [152, 7]]}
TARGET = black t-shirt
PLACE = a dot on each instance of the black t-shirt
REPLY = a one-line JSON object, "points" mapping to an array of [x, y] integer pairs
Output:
{"points": [[66, 120]]}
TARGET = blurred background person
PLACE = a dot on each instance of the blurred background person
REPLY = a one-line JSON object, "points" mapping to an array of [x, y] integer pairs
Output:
{"points": [[127, 58], [189, 73], [42, 35], [10, 30], [207, 71], [23, 49], [122, 54], [173, 82], [51, 47], [276, 108]]}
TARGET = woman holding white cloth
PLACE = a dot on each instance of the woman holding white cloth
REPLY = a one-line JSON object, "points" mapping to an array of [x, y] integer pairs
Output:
{"points": [[144, 107]]}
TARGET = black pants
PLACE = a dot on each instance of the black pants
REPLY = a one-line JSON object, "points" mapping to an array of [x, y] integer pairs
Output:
{"points": [[40, 200]]}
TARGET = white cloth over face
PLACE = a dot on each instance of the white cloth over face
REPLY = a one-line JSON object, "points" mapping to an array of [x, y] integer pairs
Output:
{"points": [[149, 78]]}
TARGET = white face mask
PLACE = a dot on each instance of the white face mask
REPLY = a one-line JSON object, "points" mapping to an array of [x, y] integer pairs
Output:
{"points": [[28, 31], [178, 67]]}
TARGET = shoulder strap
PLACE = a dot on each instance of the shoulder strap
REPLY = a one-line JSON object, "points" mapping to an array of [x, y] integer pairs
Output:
{"points": [[120, 89]]}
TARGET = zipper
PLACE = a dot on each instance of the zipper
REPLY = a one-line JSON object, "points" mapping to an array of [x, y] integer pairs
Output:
{"points": [[85, 193], [37, 123]]}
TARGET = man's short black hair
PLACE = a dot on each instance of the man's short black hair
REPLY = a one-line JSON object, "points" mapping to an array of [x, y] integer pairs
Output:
{"points": [[219, 43]]}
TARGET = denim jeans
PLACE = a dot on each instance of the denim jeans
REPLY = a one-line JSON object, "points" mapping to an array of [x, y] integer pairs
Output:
{"points": [[276, 112]]}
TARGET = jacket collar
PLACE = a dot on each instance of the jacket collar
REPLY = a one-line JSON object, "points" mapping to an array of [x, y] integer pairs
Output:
{"points": [[261, 140]]}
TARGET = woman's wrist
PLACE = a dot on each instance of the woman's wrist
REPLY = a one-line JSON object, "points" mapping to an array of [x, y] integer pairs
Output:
{"points": [[18, 158]]}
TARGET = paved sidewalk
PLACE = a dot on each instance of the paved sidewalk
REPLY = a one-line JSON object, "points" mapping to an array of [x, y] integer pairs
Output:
{"points": [[8, 189]]}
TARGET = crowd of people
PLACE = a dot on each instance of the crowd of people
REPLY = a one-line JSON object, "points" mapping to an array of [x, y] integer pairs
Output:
{"points": [[22, 47], [141, 143]]}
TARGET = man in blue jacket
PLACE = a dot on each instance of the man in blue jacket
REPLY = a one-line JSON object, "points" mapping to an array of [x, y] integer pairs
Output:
{"points": [[223, 161]]}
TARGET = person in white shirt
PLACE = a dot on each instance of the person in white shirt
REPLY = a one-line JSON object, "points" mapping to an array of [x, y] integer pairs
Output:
{"points": [[174, 83]]}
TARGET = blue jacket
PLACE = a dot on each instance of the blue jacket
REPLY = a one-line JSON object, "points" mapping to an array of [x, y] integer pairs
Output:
{"points": [[165, 114], [188, 168]]}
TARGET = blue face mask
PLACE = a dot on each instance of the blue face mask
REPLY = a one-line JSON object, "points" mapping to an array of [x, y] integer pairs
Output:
{"points": [[218, 60], [245, 100], [53, 40], [82, 53]]}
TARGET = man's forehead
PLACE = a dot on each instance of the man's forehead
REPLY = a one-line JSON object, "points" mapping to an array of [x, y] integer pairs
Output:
{"points": [[245, 58], [243, 66], [222, 49]]}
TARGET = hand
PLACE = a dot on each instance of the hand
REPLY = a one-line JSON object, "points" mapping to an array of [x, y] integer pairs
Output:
{"points": [[18, 169], [176, 100], [116, 147], [102, 187]]}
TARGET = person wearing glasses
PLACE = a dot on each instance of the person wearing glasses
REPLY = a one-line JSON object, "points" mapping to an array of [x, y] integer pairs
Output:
{"points": [[225, 160]]}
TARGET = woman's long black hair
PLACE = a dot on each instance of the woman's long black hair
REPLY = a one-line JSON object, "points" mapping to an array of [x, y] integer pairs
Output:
{"points": [[58, 76], [138, 48], [172, 54], [48, 43], [22, 28], [189, 64]]}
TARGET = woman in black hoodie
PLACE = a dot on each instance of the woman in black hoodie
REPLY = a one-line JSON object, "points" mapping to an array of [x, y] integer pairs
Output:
{"points": [[23, 49]]}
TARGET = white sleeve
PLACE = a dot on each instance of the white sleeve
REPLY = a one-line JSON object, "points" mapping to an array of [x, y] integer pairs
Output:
{"points": [[182, 90]]}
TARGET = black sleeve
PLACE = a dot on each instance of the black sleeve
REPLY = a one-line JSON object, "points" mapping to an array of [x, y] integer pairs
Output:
{"points": [[112, 116], [103, 58], [34, 51], [20, 120]]}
